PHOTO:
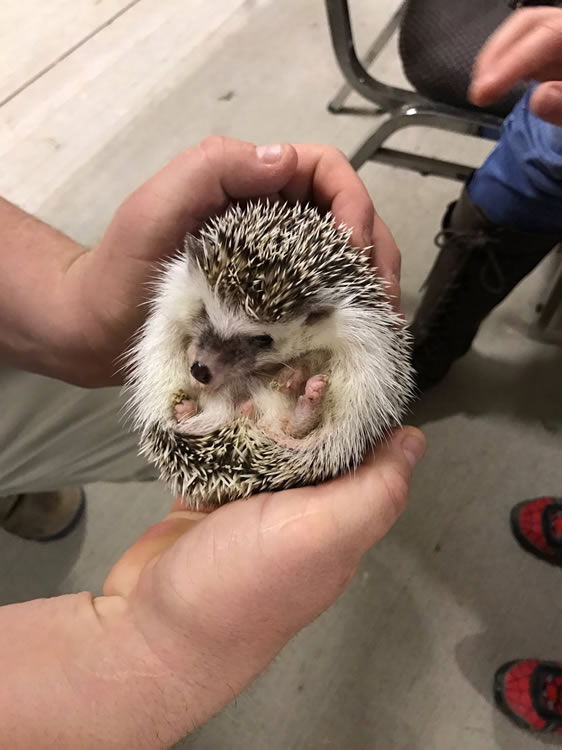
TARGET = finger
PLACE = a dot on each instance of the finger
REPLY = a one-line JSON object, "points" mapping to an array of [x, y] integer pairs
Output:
{"points": [[530, 55], [324, 176], [387, 260], [124, 575], [546, 102], [382, 484], [334, 523], [501, 41], [198, 183]]}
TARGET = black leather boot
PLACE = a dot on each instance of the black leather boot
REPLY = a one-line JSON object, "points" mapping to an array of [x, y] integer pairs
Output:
{"points": [[478, 265]]}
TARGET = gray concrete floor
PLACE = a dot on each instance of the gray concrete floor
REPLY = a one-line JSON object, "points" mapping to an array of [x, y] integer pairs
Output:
{"points": [[404, 660]]}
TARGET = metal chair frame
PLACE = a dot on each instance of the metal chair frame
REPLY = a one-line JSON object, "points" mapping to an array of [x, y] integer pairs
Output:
{"points": [[404, 108], [407, 108]]}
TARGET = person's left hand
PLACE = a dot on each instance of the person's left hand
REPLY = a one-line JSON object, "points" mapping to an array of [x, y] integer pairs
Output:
{"points": [[104, 289]]}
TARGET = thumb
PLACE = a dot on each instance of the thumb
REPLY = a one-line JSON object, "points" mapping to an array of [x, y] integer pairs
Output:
{"points": [[151, 224], [197, 184], [546, 102], [369, 502]]}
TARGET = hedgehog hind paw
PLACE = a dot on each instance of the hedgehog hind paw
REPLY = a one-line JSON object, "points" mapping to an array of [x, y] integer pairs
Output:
{"points": [[308, 411]]}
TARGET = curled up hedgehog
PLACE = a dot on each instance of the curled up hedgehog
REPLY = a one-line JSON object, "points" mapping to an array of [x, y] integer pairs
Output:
{"points": [[271, 357]]}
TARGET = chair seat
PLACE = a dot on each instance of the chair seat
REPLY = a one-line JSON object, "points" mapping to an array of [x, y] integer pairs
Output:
{"points": [[439, 41]]}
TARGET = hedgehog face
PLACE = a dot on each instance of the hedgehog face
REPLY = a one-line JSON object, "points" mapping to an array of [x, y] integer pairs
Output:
{"points": [[218, 356], [226, 347]]}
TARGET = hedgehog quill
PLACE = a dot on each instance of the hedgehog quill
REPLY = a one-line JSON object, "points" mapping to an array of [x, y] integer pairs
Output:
{"points": [[271, 357]]}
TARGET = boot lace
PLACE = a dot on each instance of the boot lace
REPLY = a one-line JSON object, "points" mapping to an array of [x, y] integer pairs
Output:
{"points": [[491, 275], [481, 247]]}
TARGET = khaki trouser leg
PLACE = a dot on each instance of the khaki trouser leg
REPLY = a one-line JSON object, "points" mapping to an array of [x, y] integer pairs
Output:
{"points": [[53, 435]]}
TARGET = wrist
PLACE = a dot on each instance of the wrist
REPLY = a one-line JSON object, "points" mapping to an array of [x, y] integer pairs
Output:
{"points": [[77, 673], [210, 632], [33, 314], [56, 353]]}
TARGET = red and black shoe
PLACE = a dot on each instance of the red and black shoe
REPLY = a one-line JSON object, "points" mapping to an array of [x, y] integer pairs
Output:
{"points": [[537, 526], [530, 693]]}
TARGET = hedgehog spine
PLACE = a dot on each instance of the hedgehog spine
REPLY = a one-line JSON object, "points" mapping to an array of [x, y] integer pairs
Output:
{"points": [[267, 266]]}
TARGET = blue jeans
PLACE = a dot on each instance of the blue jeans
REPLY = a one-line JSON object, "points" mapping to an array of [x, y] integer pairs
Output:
{"points": [[519, 186]]}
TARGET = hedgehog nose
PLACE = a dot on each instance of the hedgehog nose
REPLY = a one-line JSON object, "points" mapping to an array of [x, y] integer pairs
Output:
{"points": [[201, 373]]}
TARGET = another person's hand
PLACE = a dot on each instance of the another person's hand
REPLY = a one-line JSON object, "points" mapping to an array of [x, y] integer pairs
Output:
{"points": [[528, 46], [104, 289]]}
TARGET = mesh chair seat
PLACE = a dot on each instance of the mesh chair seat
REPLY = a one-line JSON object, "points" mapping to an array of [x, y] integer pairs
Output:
{"points": [[439, 41]]}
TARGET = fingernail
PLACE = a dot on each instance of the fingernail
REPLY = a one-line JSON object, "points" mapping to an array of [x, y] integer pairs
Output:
{"points": [[269, 154], [413, 447]]}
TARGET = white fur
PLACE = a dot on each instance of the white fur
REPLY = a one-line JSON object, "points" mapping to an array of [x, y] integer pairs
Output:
{"points": [[369, 379]]}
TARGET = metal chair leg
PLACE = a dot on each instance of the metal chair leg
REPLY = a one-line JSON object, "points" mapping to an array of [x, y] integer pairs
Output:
{"points": [[407, 107], [443, 118], [336, 105], [358, 78]]}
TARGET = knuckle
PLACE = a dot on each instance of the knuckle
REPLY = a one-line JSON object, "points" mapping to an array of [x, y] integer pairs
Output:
{"points": [[213, 145], [370, 213], [134, 204], [335, 154], [554, 29], [397, 486], [141, 205]]}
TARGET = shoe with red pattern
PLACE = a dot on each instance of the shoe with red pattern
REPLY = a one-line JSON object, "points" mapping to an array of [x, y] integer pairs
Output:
{"points": [[530, 693], [537, 526]]}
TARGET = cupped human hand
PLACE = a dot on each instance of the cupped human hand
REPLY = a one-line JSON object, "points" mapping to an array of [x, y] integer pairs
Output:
{"points": [[215, 597], [104, 289]]}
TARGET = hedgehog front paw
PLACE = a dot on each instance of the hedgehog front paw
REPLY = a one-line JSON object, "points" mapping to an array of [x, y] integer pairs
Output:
{"points": [[308, 410], [315, 389], [185, 410], [178, 397]]}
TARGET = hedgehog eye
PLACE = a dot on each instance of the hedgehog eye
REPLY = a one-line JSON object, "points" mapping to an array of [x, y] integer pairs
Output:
{"points": [[263, 342]]}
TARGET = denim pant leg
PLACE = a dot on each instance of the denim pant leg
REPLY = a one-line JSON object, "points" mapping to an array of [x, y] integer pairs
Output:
{"points": [[519, 186]]}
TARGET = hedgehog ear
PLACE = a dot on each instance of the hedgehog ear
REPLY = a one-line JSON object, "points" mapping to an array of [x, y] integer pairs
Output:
{"points": [[318, 313], [194, 249]]}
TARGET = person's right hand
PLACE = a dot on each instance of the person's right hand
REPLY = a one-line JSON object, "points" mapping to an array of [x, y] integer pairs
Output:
{"points": [[214, 597], [528, 46], [192, 612], [103, 292]]}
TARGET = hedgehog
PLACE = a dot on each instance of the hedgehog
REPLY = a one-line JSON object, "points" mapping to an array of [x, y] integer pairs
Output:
{"points": [[271, 357]]}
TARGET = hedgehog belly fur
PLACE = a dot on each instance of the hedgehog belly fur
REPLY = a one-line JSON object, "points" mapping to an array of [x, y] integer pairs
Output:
{"points": [[270, 268]]}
